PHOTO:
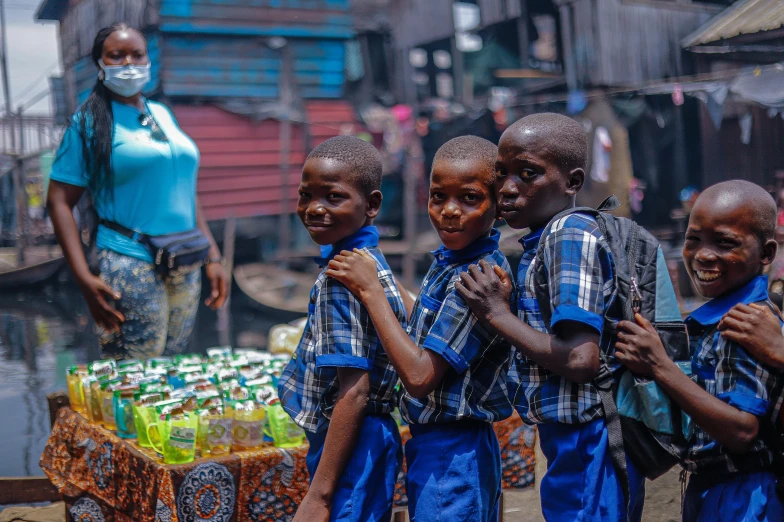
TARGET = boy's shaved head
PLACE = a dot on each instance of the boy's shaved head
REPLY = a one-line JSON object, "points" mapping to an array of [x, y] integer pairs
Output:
{"points": [[470, 148], [362, 160], [729, 195], [561, 137]]}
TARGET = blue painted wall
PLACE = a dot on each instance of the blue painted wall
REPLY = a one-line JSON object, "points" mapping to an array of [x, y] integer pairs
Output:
{"points": [[215, 48], [242, 67]]}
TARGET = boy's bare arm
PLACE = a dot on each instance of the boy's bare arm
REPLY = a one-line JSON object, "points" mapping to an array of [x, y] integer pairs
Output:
{"points": [[758, 330], [421, 371], [640, 349], [340, 441], [572, 351]]}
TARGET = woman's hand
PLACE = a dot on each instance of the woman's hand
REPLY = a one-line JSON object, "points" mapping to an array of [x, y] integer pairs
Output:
{"points": [[96, 291], [218, 284], [639, 347], [357, 270]]}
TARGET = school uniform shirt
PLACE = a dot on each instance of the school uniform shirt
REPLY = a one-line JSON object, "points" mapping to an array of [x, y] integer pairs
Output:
{"points": [[340, 334], [580, 273], [726, 370], [154, 181], [474, 385]]}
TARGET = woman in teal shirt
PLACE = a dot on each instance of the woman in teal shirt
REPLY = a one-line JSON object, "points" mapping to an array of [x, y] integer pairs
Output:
{"points": [[141, 170]]}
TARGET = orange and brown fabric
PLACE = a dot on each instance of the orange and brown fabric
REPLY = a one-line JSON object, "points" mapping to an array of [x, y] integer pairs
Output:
{"points": [[103, 478]]}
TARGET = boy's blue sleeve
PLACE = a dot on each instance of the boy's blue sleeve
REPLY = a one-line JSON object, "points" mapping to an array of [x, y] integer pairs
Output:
{"points": [[578, 268], [743, 382], [454, 334], [69, 165], [344, 335]]}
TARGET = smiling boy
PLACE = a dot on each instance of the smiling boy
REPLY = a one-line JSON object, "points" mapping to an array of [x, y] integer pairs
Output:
{"points": [[539, 171], [340, 371], [733, 399], [453, 370]]}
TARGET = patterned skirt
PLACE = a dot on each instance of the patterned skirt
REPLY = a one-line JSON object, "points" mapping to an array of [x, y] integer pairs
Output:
{"points": [[159, 313]]}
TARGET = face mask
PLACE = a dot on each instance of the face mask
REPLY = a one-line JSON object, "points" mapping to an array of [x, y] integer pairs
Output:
{"points": [[125, 80]]}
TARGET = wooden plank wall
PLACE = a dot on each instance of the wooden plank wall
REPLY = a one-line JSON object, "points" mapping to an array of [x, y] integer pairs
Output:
{"points": [[495, 11], [217, 48], [635, 42], [236, 66], [415, 22], [239, 174], [290, 18]]}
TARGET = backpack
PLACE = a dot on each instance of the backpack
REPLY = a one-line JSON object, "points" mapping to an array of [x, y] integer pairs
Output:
{"points": [[641, 421]]}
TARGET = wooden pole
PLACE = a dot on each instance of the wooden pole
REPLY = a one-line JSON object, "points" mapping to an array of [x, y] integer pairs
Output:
{"points": [[224, 313], [21, 196], [285, 96], [4, 65]]}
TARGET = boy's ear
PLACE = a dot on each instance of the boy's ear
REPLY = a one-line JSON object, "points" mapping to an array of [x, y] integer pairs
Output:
{"points": [[374, 204], [574, 182], [769, 252]]}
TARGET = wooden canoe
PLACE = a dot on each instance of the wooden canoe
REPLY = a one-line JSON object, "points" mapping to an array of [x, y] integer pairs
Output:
{"points": [[41, 264], [282, 294]]}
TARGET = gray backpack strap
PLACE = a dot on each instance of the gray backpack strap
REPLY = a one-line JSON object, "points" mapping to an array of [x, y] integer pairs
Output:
{"points": [[605, 386]]}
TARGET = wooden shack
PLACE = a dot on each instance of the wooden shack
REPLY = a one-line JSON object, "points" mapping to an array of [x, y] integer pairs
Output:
{"points": [[747, 35]]}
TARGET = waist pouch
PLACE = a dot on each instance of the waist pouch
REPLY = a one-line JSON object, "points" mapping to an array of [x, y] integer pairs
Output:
{"points": [[171, 253]]}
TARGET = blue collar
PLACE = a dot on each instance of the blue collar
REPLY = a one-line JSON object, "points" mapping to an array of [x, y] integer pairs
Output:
{"points": [[711, 312], [483, 245], [531, 240], [365, 237]]}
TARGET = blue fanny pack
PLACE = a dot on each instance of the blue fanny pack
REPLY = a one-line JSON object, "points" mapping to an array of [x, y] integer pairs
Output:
{"points": [[171, 253]]}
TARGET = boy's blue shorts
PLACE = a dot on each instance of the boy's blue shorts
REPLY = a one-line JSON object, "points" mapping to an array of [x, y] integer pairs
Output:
{"points": [[742, 497], [580, 483], [367, 487], [454, 472]]}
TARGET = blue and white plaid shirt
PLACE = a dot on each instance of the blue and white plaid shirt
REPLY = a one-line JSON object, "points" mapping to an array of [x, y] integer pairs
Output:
{"points": [[340, 334], [580, 273], [474, 385], [727, 371]]}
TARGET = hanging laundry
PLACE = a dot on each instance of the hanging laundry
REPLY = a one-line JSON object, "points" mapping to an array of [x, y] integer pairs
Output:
{"points": [[602, 147], [745, 128]]}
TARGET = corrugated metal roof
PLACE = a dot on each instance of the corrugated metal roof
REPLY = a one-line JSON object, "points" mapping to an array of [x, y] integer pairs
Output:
{"points": [[239, 174], [743, 17]]}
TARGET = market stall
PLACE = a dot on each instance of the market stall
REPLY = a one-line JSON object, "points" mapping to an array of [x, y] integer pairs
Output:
{"points": [[199, 438]]}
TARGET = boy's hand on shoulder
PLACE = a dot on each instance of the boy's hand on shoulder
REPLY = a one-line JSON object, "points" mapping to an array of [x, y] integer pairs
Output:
{"points": [[486, 289], [639, 347], [313, 509], [757, 329], [357, 270]]}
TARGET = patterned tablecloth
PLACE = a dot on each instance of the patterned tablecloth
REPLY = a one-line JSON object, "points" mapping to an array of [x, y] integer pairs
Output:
{"points": [[104, 478]]}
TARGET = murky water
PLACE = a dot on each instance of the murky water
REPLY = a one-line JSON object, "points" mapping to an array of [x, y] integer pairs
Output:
{"points": [[45, 330]]}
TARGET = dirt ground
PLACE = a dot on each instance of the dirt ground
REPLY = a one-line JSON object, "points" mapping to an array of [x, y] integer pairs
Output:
{"points": [[662, 502]]}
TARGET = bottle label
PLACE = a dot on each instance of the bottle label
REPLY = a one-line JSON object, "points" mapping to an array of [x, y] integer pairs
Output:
{"points": [[183, 438], [248, 434], [108, 409], [219, 432]]}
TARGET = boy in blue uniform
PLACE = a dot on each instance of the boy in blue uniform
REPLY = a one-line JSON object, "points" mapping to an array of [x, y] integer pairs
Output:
{"points": [[340, 370], [732, 398], [539, 170], [453, 370]]}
